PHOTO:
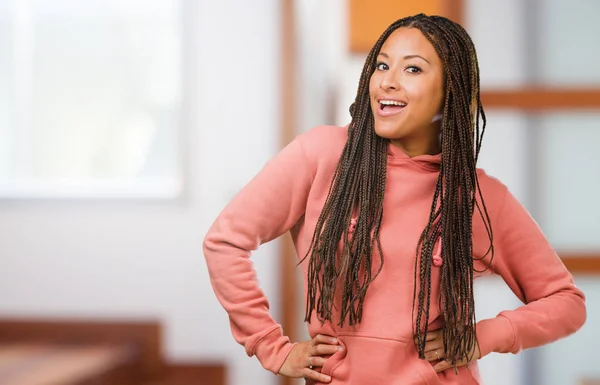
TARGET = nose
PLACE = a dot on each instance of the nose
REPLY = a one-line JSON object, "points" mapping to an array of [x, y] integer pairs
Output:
{"points": [[390, 81]]}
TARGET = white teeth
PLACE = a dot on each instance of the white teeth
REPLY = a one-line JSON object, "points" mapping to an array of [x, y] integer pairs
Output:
{"points": [[392, 103]]}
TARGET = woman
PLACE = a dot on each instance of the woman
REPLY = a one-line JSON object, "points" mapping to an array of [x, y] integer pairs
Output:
{"points": [[394, 222]]}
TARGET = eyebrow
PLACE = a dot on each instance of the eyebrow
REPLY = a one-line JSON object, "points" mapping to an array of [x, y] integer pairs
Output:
{"points": [[407, 57]]}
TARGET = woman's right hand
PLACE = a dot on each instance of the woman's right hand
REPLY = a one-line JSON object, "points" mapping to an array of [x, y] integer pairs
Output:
{"points": [[307, 356]]}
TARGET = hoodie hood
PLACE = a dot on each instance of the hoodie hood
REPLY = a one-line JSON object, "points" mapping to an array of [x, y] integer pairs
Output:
{"points": [[430, 162]]}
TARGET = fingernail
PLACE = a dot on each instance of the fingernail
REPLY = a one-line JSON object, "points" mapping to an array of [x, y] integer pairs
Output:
{"points": [[340, 348], [327, 378], [334, 340]]}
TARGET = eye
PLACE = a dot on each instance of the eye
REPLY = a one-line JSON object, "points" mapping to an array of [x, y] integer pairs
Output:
{"points": [[413, 69], [381, 66]]}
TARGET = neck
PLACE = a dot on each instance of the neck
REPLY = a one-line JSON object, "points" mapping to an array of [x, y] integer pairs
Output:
{"points": [[429, 144]]}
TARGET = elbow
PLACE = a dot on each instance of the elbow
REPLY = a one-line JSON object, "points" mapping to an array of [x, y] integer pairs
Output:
{"points": [[576, 313], [208, 243], [580, 313]]}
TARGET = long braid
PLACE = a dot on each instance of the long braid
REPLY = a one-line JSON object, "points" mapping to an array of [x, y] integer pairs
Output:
{"points": [[358, 188]]}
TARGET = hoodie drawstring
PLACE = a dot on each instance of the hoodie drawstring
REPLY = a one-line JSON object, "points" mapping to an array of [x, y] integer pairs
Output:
{"points": [[437, 254]]}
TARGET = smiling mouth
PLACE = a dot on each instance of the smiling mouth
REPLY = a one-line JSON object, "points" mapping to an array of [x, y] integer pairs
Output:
{"points": [[390, 107]]}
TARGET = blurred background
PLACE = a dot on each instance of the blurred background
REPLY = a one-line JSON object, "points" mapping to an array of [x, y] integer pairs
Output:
{"points": [[127, 125]]}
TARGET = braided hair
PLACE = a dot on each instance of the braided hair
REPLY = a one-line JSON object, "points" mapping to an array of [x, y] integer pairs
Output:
{"points": [[358, 186]]}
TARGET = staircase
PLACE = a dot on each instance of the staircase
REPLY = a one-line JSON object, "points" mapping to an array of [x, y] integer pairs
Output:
{"points": [[92, 353]]}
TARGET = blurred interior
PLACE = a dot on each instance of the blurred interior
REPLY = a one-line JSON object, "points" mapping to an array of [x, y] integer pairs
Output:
{"points": [[127, 125]]}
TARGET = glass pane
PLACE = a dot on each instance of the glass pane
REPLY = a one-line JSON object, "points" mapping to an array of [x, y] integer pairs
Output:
{"points": [[492, 295], [6, 48], [570, 180], [501, 56], [99, 92], [504, 150], [568, 46]]}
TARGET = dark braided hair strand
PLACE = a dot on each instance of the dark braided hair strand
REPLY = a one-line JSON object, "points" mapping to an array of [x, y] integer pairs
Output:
{"points": [[358, 187]]}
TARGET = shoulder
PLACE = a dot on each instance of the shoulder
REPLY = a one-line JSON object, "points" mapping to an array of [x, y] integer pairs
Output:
{"points": [[324, 136], [492, 190], [324, 142]]}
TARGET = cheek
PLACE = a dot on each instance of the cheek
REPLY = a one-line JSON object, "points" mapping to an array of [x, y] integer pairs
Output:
{"points": [[429, 96], [439, 93]]}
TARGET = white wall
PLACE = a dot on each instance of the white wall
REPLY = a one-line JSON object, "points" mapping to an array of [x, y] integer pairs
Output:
{"points": [[137, 259]]}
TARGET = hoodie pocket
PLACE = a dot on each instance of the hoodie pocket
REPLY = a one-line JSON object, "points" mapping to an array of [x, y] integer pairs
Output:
{"points": [[374, 360], [335, 359], [466, 375]]}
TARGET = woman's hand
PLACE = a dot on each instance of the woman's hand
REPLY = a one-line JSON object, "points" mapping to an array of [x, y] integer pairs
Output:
{"points": [[306, 358], [434, 352]]}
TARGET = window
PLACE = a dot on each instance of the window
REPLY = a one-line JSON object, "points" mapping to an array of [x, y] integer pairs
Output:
{"points": [[93, 98]]}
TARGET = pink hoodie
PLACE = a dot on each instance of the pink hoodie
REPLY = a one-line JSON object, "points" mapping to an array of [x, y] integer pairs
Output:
{"points": [[288, 194]]}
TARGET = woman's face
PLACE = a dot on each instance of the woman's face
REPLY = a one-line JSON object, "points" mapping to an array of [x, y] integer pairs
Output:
{"points": [[407, 92]]}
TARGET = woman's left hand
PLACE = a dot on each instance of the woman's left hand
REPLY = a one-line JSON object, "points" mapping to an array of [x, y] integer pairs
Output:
{"points": [[434, 352]]}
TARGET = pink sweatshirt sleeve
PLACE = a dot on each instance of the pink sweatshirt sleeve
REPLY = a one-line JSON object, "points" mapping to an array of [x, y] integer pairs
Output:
{"points": [[555, 307], [267, 207]]}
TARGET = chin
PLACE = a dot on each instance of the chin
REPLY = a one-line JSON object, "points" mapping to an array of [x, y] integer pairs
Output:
{"points": [[388, 131]]}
